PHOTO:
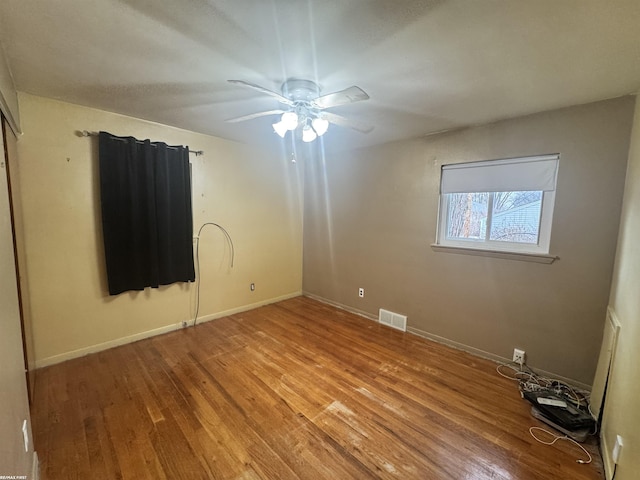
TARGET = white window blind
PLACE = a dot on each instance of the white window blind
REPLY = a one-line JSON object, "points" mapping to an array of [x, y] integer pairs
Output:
{"points": [[514, 174]]}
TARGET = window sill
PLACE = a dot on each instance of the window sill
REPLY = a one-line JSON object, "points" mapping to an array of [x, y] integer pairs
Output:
{"points": [[523, 257]]}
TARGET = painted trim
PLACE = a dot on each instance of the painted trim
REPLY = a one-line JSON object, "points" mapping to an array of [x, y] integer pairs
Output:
{"points": [[450, 343], [493, 357], [35, 467], [607, 459], [341, 306], [606, 450], [8, 115], [81, 352], [521, 256], [612, 327], [244, 308], [7, 87]]}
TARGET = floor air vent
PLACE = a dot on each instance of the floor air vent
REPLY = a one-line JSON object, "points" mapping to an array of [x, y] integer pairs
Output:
{"points": [[393, 320]]}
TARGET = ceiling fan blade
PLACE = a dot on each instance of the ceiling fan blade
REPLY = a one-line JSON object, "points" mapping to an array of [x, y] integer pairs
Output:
{"points": [[251, 116], [260, 89], [348, 95], [345, 122]]}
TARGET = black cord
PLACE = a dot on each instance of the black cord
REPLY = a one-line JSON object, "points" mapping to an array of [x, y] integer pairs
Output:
{"points": [[233, 253]]}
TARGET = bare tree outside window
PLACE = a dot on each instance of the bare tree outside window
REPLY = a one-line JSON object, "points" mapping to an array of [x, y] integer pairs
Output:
{"points": [[467, 215], [514, 216]]}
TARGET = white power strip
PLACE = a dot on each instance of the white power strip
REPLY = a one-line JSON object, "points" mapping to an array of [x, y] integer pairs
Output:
{"points": [[552, 401]]}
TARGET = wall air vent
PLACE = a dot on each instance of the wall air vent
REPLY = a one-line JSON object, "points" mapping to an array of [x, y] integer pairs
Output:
{"points": [[393, 320]]}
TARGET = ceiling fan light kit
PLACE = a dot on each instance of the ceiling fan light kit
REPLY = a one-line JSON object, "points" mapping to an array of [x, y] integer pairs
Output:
{"points": [[320, 125], [305, 108], [308, 134], [290, 120], [280, 128]]}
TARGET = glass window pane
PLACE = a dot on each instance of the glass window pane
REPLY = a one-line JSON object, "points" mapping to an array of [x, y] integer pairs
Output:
{"points": [[467, 215], [516, 217]]}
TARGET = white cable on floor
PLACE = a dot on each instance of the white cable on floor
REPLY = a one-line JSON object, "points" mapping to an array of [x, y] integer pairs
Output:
{"points": [[556, 438]]}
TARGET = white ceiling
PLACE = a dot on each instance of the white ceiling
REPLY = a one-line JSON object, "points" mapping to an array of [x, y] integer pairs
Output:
{"points": [[427, 65]]}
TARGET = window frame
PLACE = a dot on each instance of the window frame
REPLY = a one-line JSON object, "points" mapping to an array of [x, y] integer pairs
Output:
{"points": [[541, 248], [544, 230]]}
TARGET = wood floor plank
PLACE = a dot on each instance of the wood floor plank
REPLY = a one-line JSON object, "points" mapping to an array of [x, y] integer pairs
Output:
{"points": [[295, 390]]}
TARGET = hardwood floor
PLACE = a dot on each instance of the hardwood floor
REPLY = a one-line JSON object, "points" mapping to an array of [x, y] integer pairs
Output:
{"points": [[294, 390]]}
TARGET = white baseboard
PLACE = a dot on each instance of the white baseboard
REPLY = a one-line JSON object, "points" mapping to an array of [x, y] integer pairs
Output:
{"points": [[35, 467], [450, 343], [495, 358], [81, 352], [347, 308], [244, 308]]}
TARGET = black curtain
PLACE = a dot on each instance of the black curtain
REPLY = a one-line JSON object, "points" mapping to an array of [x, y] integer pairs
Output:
{"points": [[145, 191]]}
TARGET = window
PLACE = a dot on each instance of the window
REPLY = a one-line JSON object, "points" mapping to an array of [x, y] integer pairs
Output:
{"points": [[498, 205]]}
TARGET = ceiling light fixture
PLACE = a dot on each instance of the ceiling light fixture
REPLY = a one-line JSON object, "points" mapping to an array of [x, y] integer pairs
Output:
{"points": [[304, 108], [290, 120], [308, 134], [280, 128], [303, 118], [306, 119], [320, 125]]}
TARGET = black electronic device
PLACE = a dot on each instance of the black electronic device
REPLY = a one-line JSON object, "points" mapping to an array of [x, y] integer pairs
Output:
{"points": [[559, 410], [579, 435]]}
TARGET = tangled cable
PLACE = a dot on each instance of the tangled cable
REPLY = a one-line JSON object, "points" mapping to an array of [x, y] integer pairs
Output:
{"points": [[530, 381]]}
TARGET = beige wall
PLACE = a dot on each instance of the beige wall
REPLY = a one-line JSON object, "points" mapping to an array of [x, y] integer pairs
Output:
{"points": [[370, 216], [622, 406], [252, 193]]}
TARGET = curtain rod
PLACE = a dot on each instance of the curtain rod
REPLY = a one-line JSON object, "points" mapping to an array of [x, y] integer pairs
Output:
{"points": [[87, 133]]}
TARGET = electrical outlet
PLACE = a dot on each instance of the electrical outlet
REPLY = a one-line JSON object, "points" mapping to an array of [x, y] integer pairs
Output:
{"points": [[252, 287], [518, 356], [617, 449], [361, 292]]}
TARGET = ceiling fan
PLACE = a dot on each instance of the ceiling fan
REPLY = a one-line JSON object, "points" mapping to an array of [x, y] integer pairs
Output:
{"points": [[305, 109]]}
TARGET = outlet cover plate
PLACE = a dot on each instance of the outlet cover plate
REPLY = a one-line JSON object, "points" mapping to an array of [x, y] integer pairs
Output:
{"points": [[617, 449], [518, 355]]}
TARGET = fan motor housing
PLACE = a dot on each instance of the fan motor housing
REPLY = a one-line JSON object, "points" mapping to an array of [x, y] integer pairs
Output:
{"points": [[300, 90]]}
